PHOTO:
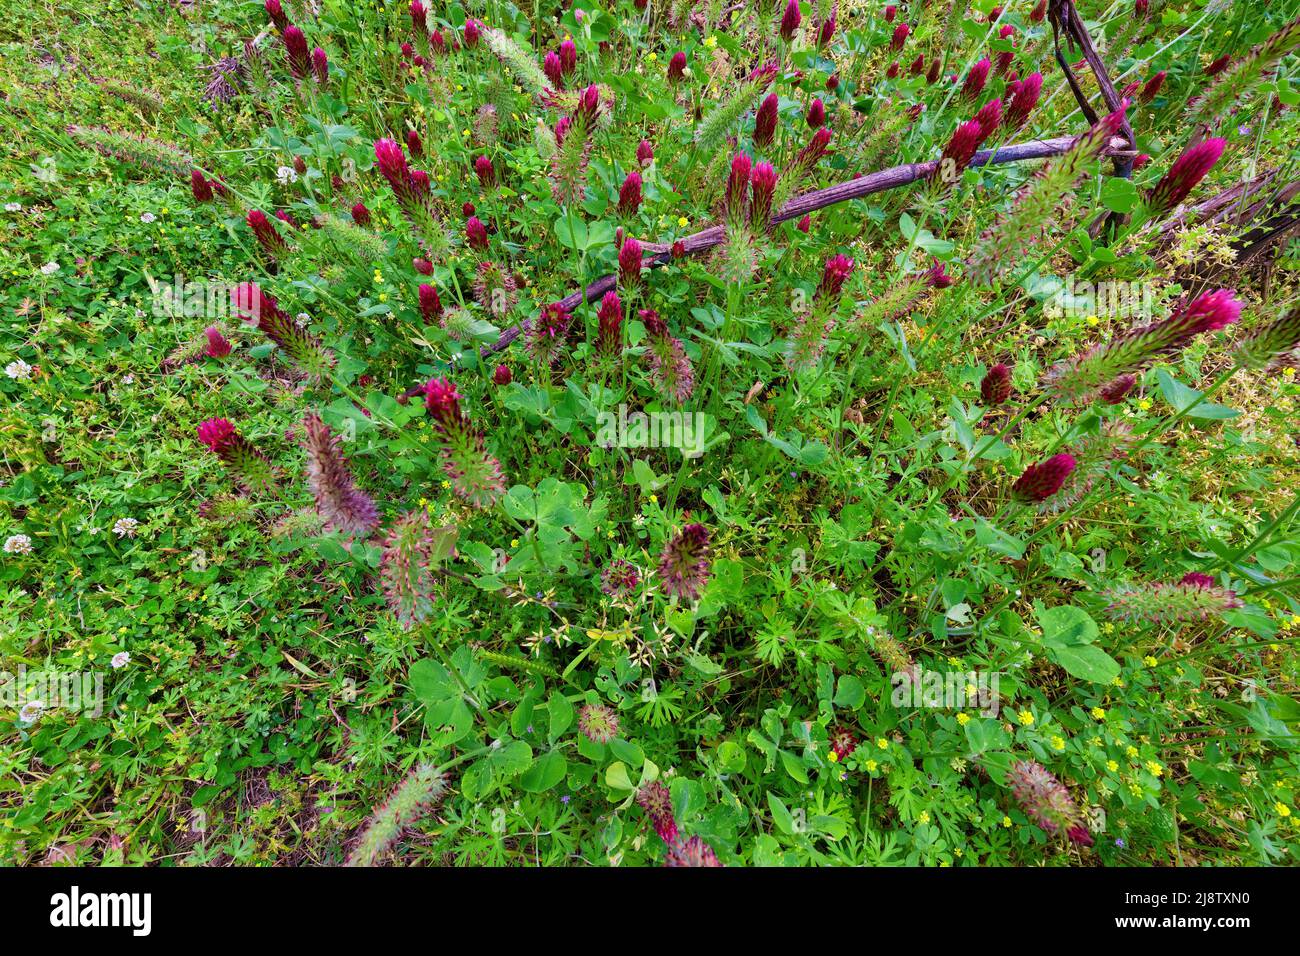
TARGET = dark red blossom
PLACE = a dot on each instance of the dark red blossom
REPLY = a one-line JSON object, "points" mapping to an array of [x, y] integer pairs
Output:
{"points": [[1040, 481]]}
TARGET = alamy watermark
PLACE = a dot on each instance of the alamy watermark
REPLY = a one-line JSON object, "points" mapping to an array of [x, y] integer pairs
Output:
{"points": [[192, 299], [1116, 300], [34, 692], [950, 690], [681, 430]]}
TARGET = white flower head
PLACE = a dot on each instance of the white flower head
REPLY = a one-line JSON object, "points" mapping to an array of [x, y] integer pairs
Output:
{"points": [[128, 379], [125, 527], [120, 660], [31, 711], [286, 175], [13, 207], [50, 268], [18, 369], [147, 217], [18, 544]]}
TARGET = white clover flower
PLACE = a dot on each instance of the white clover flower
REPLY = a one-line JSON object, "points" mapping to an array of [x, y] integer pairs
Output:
{"points": [[18, 369], [13, 207], [18, 544], [31, 712], [125, 527], [50, 268], [120, 660], [128, 379], [147, 217], [286, 175]]}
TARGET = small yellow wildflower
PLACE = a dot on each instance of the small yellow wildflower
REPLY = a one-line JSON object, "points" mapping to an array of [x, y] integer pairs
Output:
{"points": [[1006, 821], [654, 499], [383, 297], [833, 757], [514, 542], [1150, 661], [1092, 320], [963, 718], [1282, 809], [1112, 765], [871, 766], [1026, 718], [1154, 768], [652, 56], [710, 42], [682, 222], [1058, 742], [1130, 751], [882, 743], [446, 484], [924, 817], [1098, 712]]}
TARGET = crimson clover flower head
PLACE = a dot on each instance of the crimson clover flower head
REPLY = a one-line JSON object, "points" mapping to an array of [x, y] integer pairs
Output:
{"points": [[392, 165], [937, 278], [1194, 598], [816, 148], [295, 46], [1024, 100], [762, 75], [654, 325], [589, 103], [423, 266], [568, 56], [267, 236], [765, 120], [502, 375], [338, 500], [200, 187], [610, 317], [995, 388], [215, 432], [762, 182], [275, 11], [218, 346], [677, 67], [476, 233], [901, 33], [320, 66], [685, 562], [976, 78], [843, 741], [485, 171], [826, 32], [657, 802], [790, 20], [1151, 88], [413, 143], [834, 274], [1040, 481], [1045, 800], [692, 852], [419, 18], [989, 117], [1114, 391], [1219, 65], [598, 723], [1211, 311], [553, 70], [629, 194], [629, 263], [252, 303], [1197, 580], [1187, 171], [473, 30], [891, 12], [442, 402], [959, 152], [1037, 14], [360, 214], [816, 115], [645, 153], [430, 303]]}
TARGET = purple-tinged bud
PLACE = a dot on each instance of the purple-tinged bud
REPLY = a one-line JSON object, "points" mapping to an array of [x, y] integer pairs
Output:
{"points": [[476, 233], [218, 345], [502, 375], [816, 114], [762, 183], [832, 83], [200, 187], [901, 33], [989, 117], [834, 274], [804, 224], [473, 30], [975, 79], [893, 70], [891, 12], [276, 12], [268, 237], [485, 172], [295, 46], [551, 67], [1114, 392], [430, 303], [423, 266], [685, 562], [657, 802], [1219, 65], [765, 121], [320, 66], [629, 264], [568, 57], [826, 32], [1024, 100], [609, 337], [645, 153], [1151, 89]]}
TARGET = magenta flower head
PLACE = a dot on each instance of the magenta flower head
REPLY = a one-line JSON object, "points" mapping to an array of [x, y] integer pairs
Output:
{"points": [[832, 83], [320, 66], [597, 722], [995, 388], [835, 272], [737, 194], [430, 303], [1151, 88], [422, 266], [657, 802], [959, 152], [392, 165], [645, 153], [1114, 392], [901, 33], [485, 172], [438, 42], [1187, 171], [826, 32], [246, 464], [812, 154], [1209, 312], [629, 195], [442, 402], [804, 224], [1140, 7], [1039, 12], [975, 79], [893, 70], [476, 233], [295, 46], [609, 337], [551, 67], [360, 214], [685, 562], [568, 57], [762, 184], [677, 67], [629, 264], [936, 278], [1024, 100], [1197, 580], [989, 117], [790, 20], [200, 187], [218, 345], [692, 852], [275, 11], [1219, 65], [419, 19], [502, 375], [816, 114], [547, 333], [1041, 481], [414, 144], [473, 30], [215, 432], [891, 12], [918, 65], [765, 121], [267, 235], [932, 74]]}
